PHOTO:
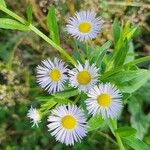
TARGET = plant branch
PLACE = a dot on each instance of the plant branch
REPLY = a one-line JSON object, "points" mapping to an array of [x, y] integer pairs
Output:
{"points": [[38, 32]]}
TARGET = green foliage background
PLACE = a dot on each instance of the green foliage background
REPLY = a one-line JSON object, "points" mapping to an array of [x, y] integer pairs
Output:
{"points": [[20, 52]]}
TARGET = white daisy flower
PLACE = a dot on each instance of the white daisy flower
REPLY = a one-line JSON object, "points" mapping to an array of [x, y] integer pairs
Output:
{"points": [[84, 25], [67, 124], [34, 115], [104, 99], [84, 77], [51, 75]]}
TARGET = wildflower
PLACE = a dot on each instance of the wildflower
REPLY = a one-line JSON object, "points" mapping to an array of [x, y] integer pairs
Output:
{"points": [[104, 99], [51, 75], [84, 77], [68, 124], [84, 25], [34, 115]]}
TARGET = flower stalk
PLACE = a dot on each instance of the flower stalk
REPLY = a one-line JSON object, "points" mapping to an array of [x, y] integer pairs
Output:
{"points": [[119, 141]]}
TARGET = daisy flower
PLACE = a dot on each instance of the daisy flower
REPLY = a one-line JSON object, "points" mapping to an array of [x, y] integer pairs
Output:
{"points": [[51, 75], [104, 99], [83, 77], [68, 124], [34, 115], [84, 25]]}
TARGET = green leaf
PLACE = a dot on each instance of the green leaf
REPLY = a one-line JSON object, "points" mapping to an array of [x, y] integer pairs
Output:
{"points": [[48, 104], [44, 97], [76, 53], [2, 2], [95, 123], [62, 101], [135, 143], [52, 25], [121, 46], [29, 13], [131, 33], [66, 93], [6, 23], [138, 119], [130, 54], [116, 30], [101, 51], [137, 61], [58, 100], [125, 131], [129, 81], [112, 72], [121, 54], [147, 139]]}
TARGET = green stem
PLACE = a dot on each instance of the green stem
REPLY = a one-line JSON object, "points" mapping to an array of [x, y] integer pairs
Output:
{"points": [[107, 137], [87, 50], [121, 146], [119, 141], [12, 14], [38, 32], [53, 44], [76, 100]]}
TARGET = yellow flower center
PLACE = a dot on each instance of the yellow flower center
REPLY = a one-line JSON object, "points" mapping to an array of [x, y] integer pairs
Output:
{"points": [[55, 75], [68, 122], [83, 77], [85, 27], [104, 100]]}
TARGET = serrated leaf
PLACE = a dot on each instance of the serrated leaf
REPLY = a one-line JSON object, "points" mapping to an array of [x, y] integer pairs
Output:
{"points": [[95, 123], [52, 25], [125, 131], [29, 13], [6, 23], [135, 143], [2, 2], [66, 93]]}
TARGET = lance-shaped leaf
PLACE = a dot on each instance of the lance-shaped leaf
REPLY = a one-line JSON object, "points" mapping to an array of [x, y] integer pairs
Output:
{"points": [[2, 2], [29, 13], [6, 23], [125, 131], [135, 143], [52, 25]]}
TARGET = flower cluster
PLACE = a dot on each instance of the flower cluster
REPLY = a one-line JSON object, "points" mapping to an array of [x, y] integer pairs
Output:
{"points": [[67, 122]]}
